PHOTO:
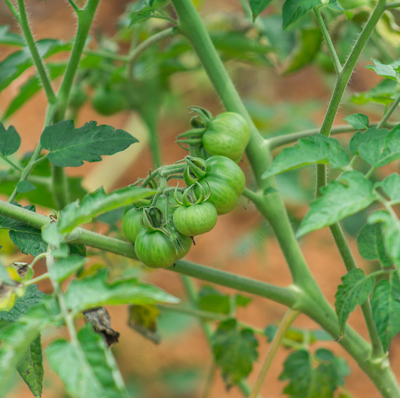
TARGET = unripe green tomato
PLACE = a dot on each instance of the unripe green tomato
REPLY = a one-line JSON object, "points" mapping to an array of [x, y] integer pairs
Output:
{"points": [[155, 249], [108, 102], [131, 224], [225, 179], [227, 135], [77, 97], [196, 219]]}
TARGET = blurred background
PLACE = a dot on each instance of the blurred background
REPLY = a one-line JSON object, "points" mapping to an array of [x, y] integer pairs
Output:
{"points": [[286, 80]]}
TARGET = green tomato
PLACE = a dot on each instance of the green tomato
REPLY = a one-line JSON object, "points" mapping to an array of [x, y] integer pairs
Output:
{"points": [[77, 97], [108, 102], [155, 249], [227, 135], [225, 179], [131, 224], [196, 219]]}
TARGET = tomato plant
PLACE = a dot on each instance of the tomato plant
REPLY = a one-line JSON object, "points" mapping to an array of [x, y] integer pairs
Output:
{"points": [[74, 246]]}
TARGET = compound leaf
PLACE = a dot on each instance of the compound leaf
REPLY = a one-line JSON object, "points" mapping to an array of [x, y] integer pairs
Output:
{"points": [[310, 150], [353, 291], [294, 9], [94, 291], [28, 239], [258, 6], [235, 350], [347, 195], [386, 307], [10, 140], [31, 367], [98, 202], [69, 146], [212, 300], [358, 121]]}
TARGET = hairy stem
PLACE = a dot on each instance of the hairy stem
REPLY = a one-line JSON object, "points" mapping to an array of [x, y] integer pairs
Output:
{"points": [[328, 40], [44, 78]]}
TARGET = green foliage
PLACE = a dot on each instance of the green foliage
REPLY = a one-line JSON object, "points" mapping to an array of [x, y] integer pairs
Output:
{"points": [[88, 142], [294, 9], [87, 369], [65, 267], [98, 202], [358, 121], [25, 186], [347, 195], [31, 298], [384, 93], [10, 38], [94, 291], [315, 149], [371, 246], [353, 291], [31, 367], [391, 187], [235, 350], [306, 381], [386, 71], [385, 308], [258, 6], [10, 140]]}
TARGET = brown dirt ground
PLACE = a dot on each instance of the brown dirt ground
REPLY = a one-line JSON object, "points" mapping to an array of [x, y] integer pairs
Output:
{"points": [[136, 355]]}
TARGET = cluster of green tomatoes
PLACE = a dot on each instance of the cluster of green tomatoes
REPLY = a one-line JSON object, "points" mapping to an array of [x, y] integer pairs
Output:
{"points": [[162, 227]]}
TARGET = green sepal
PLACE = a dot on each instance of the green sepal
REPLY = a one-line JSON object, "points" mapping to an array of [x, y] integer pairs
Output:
{"points": [[204, 114], [195, 169]]}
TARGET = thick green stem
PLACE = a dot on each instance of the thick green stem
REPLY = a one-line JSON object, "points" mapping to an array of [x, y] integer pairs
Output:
{"points": [[343, 79], [23, 20], [85, 19], [328, 40], [284, 326], [350, 263]]}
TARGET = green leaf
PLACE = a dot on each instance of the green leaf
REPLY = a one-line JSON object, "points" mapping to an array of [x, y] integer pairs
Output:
{"points": [[355, 142], [358, 121], [311, 150], [25, 186], [10, 38], [94, 291], [212, 300], [391, 187], [31, 298], [349, 194], [390, 232], [383, 93], [294, 9], [69, 146], [378, 147], [142, 14], [386, 71], [31, 87], [65, 267], [17, 337], [243, 301], [304, 54], [335, 5], [385, 309], [28, 239], [308, 382], [18, 62], [370, 244], [10, 140], [298, 370], [31, 368], [353, 291], [88, 370], [235, 350], [98, 202], [258, 6]]}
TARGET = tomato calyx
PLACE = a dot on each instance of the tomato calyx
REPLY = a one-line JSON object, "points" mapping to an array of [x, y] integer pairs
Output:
{"points": [[195, 170], [190, 197], [153, 219]]}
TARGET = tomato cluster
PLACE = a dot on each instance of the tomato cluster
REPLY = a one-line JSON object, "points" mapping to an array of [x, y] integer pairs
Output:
{"points": [[163, 226]]}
